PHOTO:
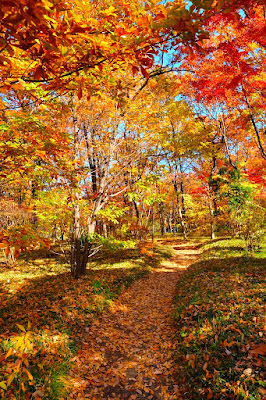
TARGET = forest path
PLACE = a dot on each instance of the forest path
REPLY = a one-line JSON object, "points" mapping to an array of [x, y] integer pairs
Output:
{"points": [[128, 354]]}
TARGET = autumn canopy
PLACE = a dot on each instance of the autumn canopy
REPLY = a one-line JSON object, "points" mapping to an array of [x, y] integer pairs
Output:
{"points": [[122, 117]]}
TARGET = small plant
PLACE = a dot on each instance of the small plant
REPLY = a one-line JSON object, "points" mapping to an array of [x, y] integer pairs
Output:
{"points": [[18, 368]]}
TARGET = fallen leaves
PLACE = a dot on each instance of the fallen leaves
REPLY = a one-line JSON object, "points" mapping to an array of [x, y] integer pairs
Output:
{"points": [[258, 350], [130, 351], [61, 309], [220, 320]]}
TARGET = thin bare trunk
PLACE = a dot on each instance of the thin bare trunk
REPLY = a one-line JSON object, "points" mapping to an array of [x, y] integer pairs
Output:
{"points": [[257, 133], [161, 218], [79, 248], [212, 216], [152, 227], [180, 205]]}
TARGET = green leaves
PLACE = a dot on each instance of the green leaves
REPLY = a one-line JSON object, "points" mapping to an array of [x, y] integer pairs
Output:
{"points": [[112, 213], [21, 327], [3, 385]]}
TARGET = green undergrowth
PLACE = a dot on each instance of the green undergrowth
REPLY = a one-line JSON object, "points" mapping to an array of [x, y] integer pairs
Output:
{"points": [[220, 320], [224, 248], [164, 251], [40, 290]]}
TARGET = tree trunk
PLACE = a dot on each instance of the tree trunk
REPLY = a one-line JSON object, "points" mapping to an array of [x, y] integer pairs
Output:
{"points": [[182, 211], [181, 218], [161, 218], [136, 209], [212, 200], [104, 227], [152, 226], [180, 208], [76, 240], [212, 216], [80, 246], [169, 221]]}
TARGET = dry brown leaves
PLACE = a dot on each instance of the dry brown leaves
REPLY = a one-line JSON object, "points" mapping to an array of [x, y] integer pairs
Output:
{"points": [[128, 354]]}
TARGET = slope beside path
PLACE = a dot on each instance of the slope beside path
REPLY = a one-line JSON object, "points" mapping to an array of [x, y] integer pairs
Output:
{"points": [[128, 354]]}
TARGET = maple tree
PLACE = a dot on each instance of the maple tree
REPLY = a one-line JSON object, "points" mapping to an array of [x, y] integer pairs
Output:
{"points": [[93, 37], [231, 70]]}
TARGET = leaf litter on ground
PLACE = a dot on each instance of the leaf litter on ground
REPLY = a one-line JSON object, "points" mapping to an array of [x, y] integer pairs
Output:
{"points": [[101, 347], [61, 310], [128, 353], [220, 320]]}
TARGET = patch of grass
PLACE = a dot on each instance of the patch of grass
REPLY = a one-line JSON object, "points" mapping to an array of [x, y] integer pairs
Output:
{"points": [[228, 247], [164, 251], [57, 388], [220, 319]]}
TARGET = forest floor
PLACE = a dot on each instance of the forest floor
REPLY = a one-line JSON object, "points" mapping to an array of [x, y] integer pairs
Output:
{"points": [[128, 353], [172, 320]]}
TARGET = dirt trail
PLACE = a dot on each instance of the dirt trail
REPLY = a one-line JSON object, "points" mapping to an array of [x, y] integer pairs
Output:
{"points": [[128, 353]]}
